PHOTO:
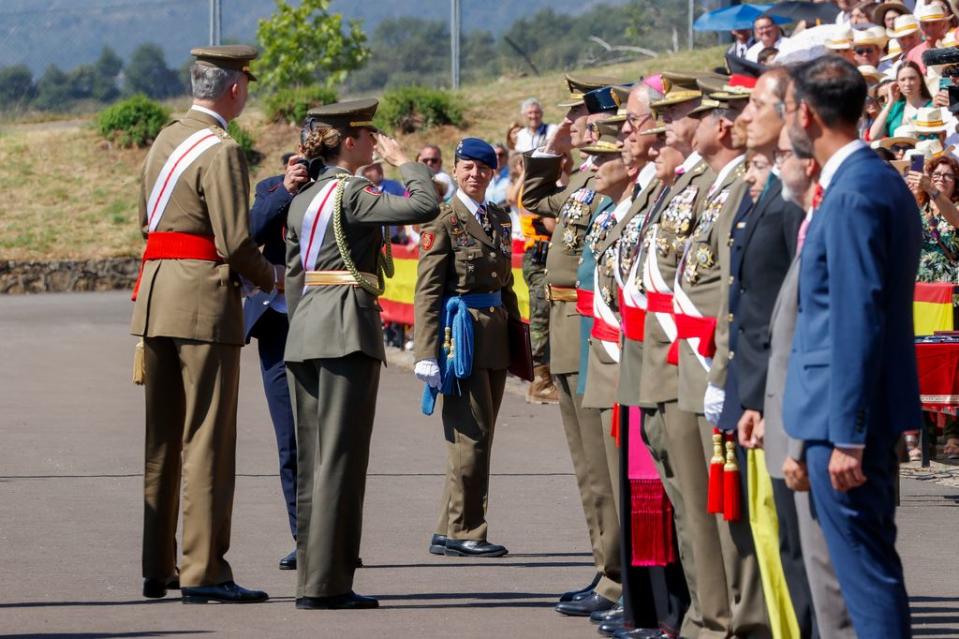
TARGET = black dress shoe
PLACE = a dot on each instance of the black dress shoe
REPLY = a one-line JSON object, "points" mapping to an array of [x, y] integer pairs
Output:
{"points": [[610, 628], [349, 601], [438, 544], [288, 562], [585, 607], [640, 633], [227, 592], [156, 588], [359, 562], [613, 614], [576, 595], [472, 548]]}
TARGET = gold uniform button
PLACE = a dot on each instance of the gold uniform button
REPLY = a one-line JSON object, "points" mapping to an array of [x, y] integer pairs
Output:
{"points": [[731, 279], [492, 309], [730, 317]]}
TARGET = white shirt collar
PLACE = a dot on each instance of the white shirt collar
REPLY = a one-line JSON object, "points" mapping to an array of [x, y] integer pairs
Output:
{"points": [[202, 109], [646, 175], [471, 205], [832, 164], [691, 160], [725, 171]]}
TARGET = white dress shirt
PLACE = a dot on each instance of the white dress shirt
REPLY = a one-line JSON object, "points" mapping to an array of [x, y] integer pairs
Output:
{"points": [[202, 109]]}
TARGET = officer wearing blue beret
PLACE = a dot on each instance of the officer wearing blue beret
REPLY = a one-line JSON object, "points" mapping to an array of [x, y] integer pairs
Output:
{"points": [[464, 299]]}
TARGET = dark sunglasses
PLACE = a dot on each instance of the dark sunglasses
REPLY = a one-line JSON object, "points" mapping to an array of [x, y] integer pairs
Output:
{"points": [[863, 50]]}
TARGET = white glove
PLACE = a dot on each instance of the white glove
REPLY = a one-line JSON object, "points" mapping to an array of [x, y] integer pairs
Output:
{"points": [[713, 403], [428, 372]]}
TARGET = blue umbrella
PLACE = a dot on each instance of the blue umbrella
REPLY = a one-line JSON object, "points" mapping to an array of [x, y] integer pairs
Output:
{"points": [[740, 16]]}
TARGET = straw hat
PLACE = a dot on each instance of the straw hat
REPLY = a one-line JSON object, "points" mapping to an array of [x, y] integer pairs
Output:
{"points": [[931, 120], [904, 135], [870, 73], [840, 40], [930, 149], [875, 36], [895, 50], [949, 40], [880, 10], [932, 12], [904, 25]]}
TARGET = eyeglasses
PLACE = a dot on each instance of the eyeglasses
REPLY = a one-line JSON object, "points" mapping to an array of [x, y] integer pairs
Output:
{"points": [[781, 155], [948, 177], [863, 50], [636, 121]]}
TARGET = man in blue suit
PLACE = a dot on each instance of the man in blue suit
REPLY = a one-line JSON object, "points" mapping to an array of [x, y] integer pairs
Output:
{"points": [[265, 318], [851, 385]]}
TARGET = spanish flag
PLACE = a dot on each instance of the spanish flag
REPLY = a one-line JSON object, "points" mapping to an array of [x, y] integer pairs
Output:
{"points": [[932, 307]]}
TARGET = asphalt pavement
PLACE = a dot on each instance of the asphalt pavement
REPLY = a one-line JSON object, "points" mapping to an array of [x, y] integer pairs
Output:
{"points": [[71, 508]]}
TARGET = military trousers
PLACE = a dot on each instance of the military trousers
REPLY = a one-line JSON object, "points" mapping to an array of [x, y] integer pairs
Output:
{"points": [[587, 448], [191, 393], [469, 421], [335, 402], [747, 603], [685, 450], [535, 276]]}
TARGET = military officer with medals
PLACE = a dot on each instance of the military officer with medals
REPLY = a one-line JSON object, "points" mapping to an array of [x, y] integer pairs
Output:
{"points": [[464, 300], [337, 255], [678, 451], [698, 300], [573, 207], [188, 311]]}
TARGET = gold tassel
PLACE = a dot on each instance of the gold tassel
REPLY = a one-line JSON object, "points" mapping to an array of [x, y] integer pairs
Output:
{"points": [[139, 368]]}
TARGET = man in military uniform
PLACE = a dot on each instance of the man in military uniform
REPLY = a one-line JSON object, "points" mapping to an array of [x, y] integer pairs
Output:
{"points": [[573, 207], [697, 302], [537, 230], [678, 452], [464, 274], [335, 265], [194, 198]]}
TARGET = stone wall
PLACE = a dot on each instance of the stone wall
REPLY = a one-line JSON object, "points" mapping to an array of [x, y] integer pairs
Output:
{"points": [[67, 275]]}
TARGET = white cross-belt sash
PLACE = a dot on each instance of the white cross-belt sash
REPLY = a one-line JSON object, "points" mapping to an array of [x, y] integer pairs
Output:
{"points": [[603, 313], [654, 281], [186, 153], [315, 222], [684, 305]]}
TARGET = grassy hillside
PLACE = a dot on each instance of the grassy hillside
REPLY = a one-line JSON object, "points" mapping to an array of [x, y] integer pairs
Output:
{"points": [[68, 194]]}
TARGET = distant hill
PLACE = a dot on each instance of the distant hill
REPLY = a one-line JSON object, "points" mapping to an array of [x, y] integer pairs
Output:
{"points": [[72, 32]]}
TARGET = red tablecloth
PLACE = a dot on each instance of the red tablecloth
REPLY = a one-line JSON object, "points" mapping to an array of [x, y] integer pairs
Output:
{"points": [[938, 375]]}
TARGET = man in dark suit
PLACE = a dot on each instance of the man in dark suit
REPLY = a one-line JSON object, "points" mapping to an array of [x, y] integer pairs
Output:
{"points": [[762, 245], [265, 318], [851, 385]]}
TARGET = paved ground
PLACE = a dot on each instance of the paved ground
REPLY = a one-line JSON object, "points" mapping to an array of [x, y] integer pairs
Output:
{"points": [[70, 508]]}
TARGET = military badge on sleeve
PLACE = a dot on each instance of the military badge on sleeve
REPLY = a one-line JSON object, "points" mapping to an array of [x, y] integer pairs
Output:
{"points": [[427, 240], [372, 190]]}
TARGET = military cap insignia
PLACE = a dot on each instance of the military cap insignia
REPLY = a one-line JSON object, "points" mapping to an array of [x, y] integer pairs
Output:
{"points": [[427, 241]]}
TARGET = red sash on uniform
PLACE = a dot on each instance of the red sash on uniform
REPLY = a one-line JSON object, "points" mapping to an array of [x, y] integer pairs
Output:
{"points": [[176, 246], [603, 331], [634, 320], [688, 327], [659, 302], [584, 302]]}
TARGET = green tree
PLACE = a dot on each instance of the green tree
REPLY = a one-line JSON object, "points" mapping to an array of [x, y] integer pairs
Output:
{"points": [[148, 73], [306, 44], [54, 92], [16, 87], [107, 67]]}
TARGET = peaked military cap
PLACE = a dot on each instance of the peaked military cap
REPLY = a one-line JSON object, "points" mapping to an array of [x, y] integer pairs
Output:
{"points": [[235, 57], [621, 92], [608, 141], [601, 100], [581, 85], [680, 87], [343, 115], [726, 89]]}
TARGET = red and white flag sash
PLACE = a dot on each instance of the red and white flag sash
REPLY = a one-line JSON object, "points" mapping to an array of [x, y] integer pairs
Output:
{"points": [[632, 304], [605, 324], [315, 222], [698, 329], [185, 154], [656, 285]]}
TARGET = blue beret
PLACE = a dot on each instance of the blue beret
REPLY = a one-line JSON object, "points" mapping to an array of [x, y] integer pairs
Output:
{"points": [[476, 149]]}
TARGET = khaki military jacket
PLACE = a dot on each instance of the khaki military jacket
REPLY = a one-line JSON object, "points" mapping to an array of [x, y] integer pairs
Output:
{"points": [[629, 250], [701, 279], [199, 299], [664, 242], [573, 207], [457, 257], [334, 321]]}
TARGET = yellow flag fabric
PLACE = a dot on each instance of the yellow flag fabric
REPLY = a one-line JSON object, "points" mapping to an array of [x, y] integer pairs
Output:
{"points": [[765, 528], [932, 308]]}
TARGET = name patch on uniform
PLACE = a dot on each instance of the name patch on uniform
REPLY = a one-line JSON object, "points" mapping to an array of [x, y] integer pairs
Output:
{"points": [[426, 242], [372, 190]]}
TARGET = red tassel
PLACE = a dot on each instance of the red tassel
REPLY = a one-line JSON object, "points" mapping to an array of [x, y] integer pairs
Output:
{"points": [[732, 488], [652, 524], [614, 429], [714, 495]]}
